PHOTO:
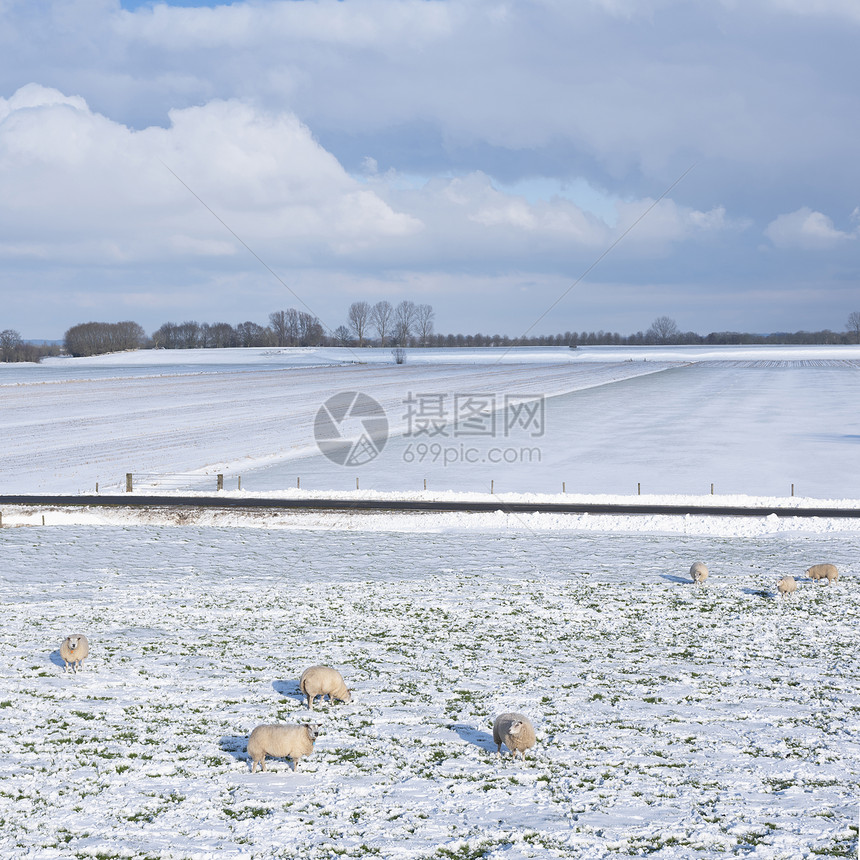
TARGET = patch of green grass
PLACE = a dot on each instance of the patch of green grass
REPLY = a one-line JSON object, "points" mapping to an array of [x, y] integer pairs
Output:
{"points": [[247, 812]]}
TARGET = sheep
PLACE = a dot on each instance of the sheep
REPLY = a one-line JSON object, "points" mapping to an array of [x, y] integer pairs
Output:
{"points": [[281, 741], [515, 731], [787, 585], [823, 571], [698, 572], [73, 651], [322, 681]]}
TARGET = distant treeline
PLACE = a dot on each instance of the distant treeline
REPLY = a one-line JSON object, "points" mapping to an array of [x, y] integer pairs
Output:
{"points": [[13, 348], [381, 324], [406, 324]]}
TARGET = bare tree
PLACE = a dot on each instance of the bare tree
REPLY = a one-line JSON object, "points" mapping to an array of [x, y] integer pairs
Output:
{"points": [[424, 315], [188, 335], [380, 317], [10, 344], [218, 335], [404, 322], [279, 325], [663, 330], [359, 319], [311, 332], [342, 335], [853, 325], [253, 334]]}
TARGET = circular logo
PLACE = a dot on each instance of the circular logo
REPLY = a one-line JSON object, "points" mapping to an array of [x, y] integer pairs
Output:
{"points": [[351, 428]]}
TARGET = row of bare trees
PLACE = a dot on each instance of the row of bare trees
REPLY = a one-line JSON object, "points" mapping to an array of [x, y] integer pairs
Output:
{"points": [[382, 324], [402, 325]]}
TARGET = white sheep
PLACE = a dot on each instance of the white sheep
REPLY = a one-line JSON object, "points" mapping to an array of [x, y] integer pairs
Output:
{"points": [[73, 651], [281, 741], [322, 681], [698, 572], [515, 731], [823, 571], [787, 585]]}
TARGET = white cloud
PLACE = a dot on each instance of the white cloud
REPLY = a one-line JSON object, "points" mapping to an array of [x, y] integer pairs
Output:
{"points": [[806, 230], [81, 187]]}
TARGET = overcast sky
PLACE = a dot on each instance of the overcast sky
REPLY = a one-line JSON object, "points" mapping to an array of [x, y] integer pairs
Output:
{"points": [[476, 155]]}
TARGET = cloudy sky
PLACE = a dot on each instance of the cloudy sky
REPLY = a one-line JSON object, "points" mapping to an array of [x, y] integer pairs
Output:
{"points": [[476, 155]]}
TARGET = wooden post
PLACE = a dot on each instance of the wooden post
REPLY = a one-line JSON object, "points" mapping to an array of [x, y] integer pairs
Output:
{"points": [[425, 483], [356, 483], [97, 486], [43, 519], [298, 483], [563, 487], [240, 482], [219, 482], [792, 489], [491, 487], [712, 489], [638, 488], [128, 484]]}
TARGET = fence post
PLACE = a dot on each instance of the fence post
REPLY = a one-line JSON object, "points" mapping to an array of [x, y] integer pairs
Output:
{"points": [[491, 487], [220, 482], [356, 483], [298, 483], [425, 483], [240, 482], [638, 488], [712, 489], [792, 489], [128, 484], [563, 487]]}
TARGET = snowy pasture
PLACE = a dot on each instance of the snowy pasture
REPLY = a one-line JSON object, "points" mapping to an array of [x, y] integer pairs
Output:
{"points": [[673, 721]]}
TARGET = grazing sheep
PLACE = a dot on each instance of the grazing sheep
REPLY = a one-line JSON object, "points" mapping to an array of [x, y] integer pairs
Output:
{"points": [[698, 572], [73, 650], [515, 731], [281, 741], [786, 585], [322, 681], [823, 571]]}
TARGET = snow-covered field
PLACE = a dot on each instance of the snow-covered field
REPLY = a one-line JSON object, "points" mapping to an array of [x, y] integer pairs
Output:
{"points": [[749, 421], [673, 721]]}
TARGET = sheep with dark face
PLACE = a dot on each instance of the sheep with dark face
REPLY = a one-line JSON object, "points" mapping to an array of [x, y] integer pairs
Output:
{"points": [[515, 731], [827, 572], [281, 741], [73, 651], [698, 572], [323, 681]]}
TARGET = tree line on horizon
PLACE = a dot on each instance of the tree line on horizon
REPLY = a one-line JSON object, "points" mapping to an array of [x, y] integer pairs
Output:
{"points": [[380, 325]]}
